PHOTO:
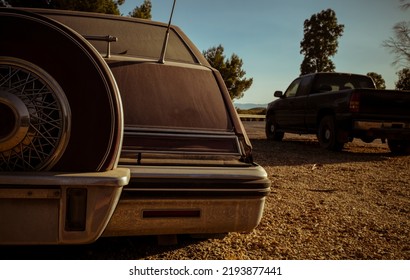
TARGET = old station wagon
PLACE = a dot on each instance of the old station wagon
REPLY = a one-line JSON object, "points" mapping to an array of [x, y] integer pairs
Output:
{"points": [[100, 135]]}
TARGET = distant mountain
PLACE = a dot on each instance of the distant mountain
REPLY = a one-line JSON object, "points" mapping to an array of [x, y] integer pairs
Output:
{"points": [[247, 106]]}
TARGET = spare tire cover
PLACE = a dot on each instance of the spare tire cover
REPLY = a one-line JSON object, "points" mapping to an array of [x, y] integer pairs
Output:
{"points": [[45, 64]]}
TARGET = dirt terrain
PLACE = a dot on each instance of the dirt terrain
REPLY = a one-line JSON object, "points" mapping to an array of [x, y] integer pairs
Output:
{"points": [[354, 204]]}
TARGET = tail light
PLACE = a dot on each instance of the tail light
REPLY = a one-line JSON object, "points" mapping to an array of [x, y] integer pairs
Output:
{"points": [[354, 104], [76, 212]]}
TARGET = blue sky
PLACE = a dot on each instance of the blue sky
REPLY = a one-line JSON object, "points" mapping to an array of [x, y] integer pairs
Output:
{"points": [[266, 34]]}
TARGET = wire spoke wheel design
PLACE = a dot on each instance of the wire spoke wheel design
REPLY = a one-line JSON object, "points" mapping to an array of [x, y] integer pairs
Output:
{"points": [[34, 117], [59, 102]]}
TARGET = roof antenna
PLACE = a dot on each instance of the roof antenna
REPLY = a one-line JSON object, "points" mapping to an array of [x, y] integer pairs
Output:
{"points": [[164, 46]]}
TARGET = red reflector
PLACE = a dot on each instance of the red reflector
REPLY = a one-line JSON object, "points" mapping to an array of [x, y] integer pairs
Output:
{"points": [[171, 214], [354, 104]]}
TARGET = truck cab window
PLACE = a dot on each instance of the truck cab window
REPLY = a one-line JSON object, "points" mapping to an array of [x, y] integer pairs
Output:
{"points": [[347, 86], [292, 89]]}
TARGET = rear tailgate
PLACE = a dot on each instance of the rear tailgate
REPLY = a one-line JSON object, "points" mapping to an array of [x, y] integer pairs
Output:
{"points": [[384, 104]]}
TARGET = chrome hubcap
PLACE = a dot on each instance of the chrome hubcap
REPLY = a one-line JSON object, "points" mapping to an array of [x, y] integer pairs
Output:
{"points": [[34, 117], [14, 119]]}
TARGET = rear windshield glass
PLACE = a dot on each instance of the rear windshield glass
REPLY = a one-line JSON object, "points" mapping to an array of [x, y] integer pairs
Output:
{"points": [[165, 96], [134, 38], [333, 82]]}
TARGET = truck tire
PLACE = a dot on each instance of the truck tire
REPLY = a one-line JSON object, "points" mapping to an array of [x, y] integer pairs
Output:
{"points": [[399, 147], [60, 108], [327, 134], [271, 129]]}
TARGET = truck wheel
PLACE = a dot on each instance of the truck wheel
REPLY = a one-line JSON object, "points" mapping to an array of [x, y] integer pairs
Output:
{"points": [[399, 147], [367, 140], [327, 134], [60, 108], [271, 130]]}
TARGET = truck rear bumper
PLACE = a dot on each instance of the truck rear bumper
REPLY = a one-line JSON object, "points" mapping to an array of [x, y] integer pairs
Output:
{"points": [[190, 200], [383, 129], [57, 208], [366, 125]]}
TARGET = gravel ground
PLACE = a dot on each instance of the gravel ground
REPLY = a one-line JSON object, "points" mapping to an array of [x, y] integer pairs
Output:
{"points": [[354, 204]]}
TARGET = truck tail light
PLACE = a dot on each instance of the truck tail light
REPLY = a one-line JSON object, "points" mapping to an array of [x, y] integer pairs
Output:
{"points": [[354, 104]]}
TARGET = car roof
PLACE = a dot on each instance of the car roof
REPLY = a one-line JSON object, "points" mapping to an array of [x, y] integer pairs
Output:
{"points": [[136, 37]]}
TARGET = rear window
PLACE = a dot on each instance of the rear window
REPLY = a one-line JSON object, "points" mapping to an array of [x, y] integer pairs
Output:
{"points": [[171, 96], [136, 39], [336, 82]]}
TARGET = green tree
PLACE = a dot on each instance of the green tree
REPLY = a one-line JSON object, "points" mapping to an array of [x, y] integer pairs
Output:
{"points": [[404, 79], [399, 44], [320, 42], [405, 4], [29, 3], [230, 69], [97, 6], [378, 80], [143, 11]]}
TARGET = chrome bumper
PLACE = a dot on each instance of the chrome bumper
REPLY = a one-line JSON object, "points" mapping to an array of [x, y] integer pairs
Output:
{"points": [[57, 208], [190, 200], [366, 125]]}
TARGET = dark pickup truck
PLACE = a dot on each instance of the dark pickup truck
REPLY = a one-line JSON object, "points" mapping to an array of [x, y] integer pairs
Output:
{"points": [[339, 107]]}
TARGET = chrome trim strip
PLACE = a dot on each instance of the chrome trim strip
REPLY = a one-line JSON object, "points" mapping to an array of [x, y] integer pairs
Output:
{"points": [[135, 129], [127, 153], [247, 173], [184, 135], [115, 177]]}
